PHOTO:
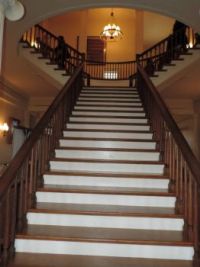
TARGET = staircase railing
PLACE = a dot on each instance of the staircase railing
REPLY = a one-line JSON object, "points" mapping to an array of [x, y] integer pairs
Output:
{"points": [[168, 49], [45, 43], [24, 173], [153, 59], [181, 165], [110, 70]]}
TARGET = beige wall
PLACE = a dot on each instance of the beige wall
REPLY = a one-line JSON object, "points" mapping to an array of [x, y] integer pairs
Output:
{"points": [[11, 105], [140, 29], [156, 28]]}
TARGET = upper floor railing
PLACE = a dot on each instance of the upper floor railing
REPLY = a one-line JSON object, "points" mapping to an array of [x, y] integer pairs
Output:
{"points": [[46, 43], [19, 182], [182, 167], [170, 48], [153, 59], [110, 70]]}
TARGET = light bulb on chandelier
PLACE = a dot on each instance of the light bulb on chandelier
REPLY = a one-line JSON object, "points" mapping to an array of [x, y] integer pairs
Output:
{"points": [[111, 32]]}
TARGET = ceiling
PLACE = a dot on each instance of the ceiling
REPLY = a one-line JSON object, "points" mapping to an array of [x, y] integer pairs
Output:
{"points": [[17, 72]]}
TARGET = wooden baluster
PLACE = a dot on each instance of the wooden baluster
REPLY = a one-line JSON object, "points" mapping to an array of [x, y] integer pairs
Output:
{"points": [[196, 225], [21, 200], [2, 222], [185, 200], [190, 207], [7, 224], [32, 199]]}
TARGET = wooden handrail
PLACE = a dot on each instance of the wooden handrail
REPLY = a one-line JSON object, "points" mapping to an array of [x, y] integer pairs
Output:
{"points": [[182, 167], [45, 43], [19, 182], [110, 70], [166, 50], [56, 37], [171, 124]]}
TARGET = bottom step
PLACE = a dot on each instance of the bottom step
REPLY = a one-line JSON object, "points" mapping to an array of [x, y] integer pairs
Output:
{"points": [[48, 260], [147, 251]]}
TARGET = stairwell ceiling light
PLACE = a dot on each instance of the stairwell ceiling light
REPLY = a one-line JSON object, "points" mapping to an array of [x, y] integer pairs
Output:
{"points": [[111, 32]]}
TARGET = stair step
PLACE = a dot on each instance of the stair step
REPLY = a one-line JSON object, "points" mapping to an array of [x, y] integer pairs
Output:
{"points": [[107, 166], [107, 235], [131, 99], [62, 188], [103, 94], [108, 108], [105, 134], [107, 89], [109, 103], [111, 99], [115, 217], [107, 114], [108, 210], [158, 251], [107, 126], [143, 183], [56, 260], [106, 154], [104, 198], [106, 144], [107, 120]]}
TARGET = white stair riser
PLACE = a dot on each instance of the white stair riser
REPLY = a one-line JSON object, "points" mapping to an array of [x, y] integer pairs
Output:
{"points": [[132, 109], [109, 89], [113, 99], [101, 114], [118, 99], [113, 135], [106, 199], [106, 181], [108, 120], [100, 221], [108, 127], [107, 167], [109, 103], [107, 144], [105, 95], [106, 155], [104, 249]]}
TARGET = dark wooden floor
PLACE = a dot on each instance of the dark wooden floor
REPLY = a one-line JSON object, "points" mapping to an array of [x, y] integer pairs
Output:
{"points": [[49, 260]]}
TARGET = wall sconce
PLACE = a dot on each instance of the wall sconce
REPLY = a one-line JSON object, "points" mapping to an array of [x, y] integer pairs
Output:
{"points": [[4, 128], [12, 9]]}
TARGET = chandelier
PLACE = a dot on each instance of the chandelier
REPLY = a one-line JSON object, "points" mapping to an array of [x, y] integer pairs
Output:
{"points": [[111, 32]]}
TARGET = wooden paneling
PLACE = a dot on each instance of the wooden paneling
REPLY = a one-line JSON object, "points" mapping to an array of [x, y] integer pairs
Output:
{"points": [[95, 49]]}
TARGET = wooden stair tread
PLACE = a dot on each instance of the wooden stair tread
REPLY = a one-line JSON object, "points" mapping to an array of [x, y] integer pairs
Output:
{"points": [[108, 139], [96, 174], [107, 131], [53, 260], [108, 123], [107, 161], [105, 190], [108, 97], [110, 100], [111, 105], [107, 210], [107, 235], [107, 117], [107, 149]]}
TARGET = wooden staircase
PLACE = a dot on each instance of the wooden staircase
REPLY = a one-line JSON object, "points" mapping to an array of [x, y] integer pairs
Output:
{"points": [[105, 200]]}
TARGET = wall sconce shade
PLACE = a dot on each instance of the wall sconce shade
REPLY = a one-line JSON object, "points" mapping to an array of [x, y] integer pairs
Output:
{"points": [[4, 128], [14, 11]]}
